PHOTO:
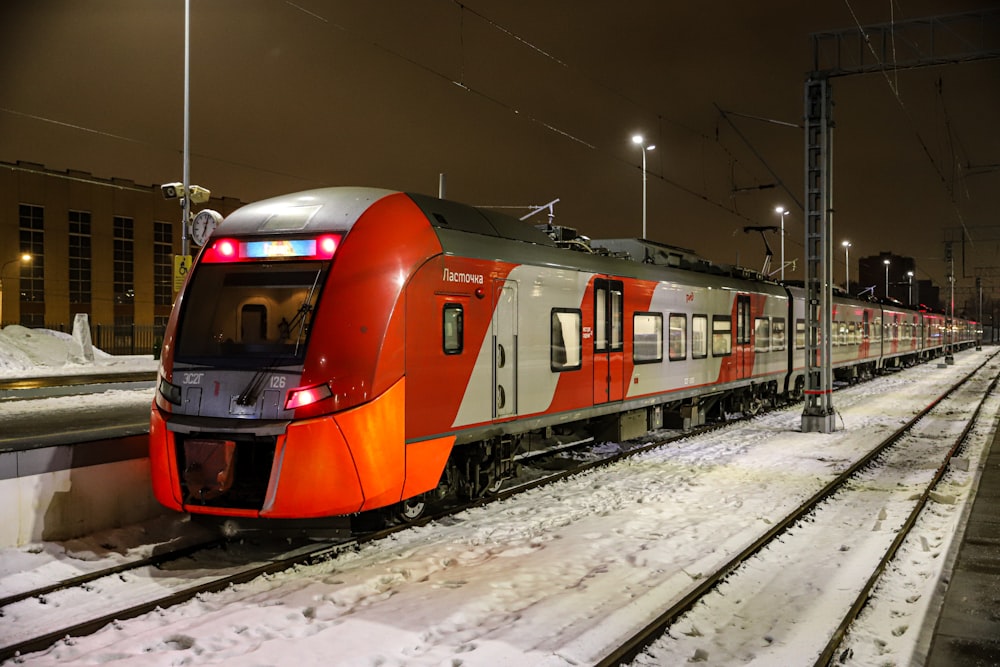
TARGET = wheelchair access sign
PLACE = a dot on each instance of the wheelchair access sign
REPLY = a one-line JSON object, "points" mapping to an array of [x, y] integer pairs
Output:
{"points": [[182, 264]]}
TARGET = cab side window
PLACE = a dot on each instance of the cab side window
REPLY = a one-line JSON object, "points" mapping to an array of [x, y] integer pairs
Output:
{"points": [[566, 344], [452, 330]]}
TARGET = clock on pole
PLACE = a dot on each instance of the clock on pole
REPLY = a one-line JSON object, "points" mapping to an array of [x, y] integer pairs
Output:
{"points": [[203, 224]]}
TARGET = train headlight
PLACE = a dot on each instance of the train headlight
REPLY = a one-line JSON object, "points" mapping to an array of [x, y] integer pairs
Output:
{"points": [[303, 396], [169, 391]]}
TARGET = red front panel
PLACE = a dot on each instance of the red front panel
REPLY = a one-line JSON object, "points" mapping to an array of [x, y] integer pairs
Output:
{"points": [[357, 344]]}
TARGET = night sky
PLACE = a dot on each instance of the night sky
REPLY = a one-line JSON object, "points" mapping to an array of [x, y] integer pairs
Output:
{"points": [[518, 103]]}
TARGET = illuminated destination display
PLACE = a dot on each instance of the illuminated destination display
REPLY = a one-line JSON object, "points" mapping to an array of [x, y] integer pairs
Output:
{"points": [[282, 248]]}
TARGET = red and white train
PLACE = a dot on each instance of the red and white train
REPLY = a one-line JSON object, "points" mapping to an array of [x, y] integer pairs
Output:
{"points": [[348, 349]]}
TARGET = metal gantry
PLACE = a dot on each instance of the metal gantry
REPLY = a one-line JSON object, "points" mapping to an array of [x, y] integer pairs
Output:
{"points": [[884, 47], [818, 414]]}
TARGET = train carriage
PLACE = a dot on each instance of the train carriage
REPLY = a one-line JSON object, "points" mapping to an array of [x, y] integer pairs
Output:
{"points": [[900, 335], [351, 349]]}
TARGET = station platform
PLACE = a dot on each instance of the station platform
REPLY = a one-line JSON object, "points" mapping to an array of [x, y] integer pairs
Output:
{"points": [[967, 633]]}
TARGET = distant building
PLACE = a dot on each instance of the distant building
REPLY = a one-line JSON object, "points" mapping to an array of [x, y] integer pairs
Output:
{"points": [[897, 279], [104, 247]]}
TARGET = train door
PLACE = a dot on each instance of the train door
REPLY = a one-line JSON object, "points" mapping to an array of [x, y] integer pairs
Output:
{"points": [[253, 323], [504, 349], [608, 341], [743, 350]]}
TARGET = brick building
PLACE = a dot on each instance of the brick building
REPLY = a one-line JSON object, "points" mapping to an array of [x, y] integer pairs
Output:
{"points": [[104, 247]]}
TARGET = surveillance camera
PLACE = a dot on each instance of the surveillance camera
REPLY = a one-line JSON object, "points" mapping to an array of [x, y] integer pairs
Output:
{"points": [[172, 190], [199, 195]]}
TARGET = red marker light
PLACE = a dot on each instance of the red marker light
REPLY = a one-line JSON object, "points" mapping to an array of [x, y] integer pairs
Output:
{"points": [[303, 396], [223, 250], [327, 246], [226, 248]]}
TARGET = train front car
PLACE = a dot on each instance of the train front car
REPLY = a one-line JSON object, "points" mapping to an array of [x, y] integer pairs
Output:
{"points": [[281, 384]]}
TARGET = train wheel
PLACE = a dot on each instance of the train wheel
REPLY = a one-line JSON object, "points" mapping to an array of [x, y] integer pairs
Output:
{"points": [[494, 487], [411, 509]]}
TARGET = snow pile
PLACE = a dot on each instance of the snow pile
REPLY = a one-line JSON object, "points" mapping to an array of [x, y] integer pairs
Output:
{"points": [[26, 351]]}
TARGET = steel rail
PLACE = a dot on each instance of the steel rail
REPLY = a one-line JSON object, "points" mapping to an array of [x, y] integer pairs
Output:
{"points": [[631, 648], [324, 550], [89, 577], [826, 656], [46, 381]]}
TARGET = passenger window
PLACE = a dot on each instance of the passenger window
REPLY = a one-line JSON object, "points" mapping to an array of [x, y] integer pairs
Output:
{"points": [[600, 321], [762, 334], [617, 304], [699, 336], [647, 338], [722, 335], [778, 333], [608, 314], [566, 339], [452, 328], [800, 334], [678, 337]]}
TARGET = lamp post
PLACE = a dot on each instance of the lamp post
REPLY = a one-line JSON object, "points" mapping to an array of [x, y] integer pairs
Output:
{"points": [[886, 262], [847, 266], [25, 257], [909, 285], [780, 210], [640, 141]]}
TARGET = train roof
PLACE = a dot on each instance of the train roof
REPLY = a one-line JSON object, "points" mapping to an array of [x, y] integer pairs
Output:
{"points": [[476, 232]]}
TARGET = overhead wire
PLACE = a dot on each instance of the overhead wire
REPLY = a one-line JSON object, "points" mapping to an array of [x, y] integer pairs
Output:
{"points": [[149, 144], [465, 85], [617, 93], [894, 88], [461, 83]]}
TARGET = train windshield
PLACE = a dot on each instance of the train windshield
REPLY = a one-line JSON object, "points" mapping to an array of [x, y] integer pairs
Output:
{"points": [[249, 313]]}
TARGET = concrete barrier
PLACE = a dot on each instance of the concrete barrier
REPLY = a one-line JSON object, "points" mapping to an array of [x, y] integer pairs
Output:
{"points": [[67, 491]]}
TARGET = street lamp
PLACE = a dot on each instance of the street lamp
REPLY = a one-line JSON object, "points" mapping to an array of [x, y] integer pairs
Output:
{"points": [[639, 141], [847, 266], [886, 262], [780, 210], [909, 284], [25, 257]]}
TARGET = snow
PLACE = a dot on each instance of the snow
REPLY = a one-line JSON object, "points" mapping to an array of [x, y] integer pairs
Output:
{"points": [[556, 575], [43, 353]]}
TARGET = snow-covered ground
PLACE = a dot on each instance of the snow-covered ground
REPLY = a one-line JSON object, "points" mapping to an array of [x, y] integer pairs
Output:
{"points": [[556, 575]]}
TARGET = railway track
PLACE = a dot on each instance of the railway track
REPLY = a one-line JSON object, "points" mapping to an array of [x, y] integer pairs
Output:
{"points": [[36, 618], [792, 560], [75, 608]]}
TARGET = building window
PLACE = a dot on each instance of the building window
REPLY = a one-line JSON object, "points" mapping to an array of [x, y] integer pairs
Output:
{"points": [[31, 228], [124, 261], [567, 337], [163, 263], [79, 259], [647, 338]]}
